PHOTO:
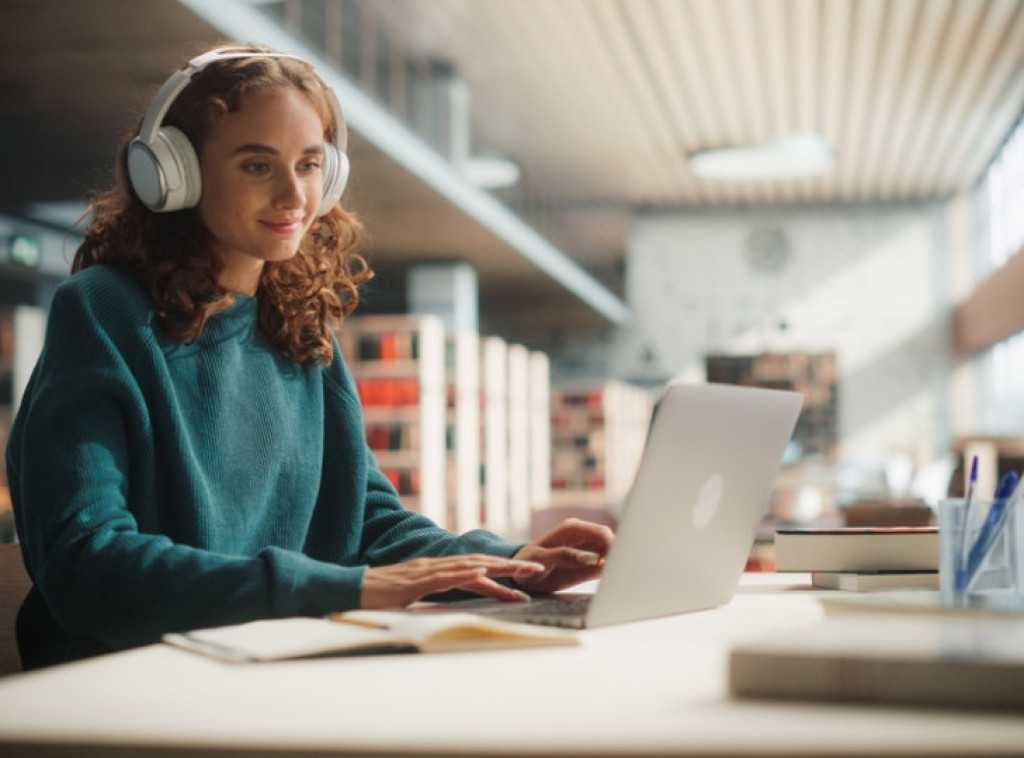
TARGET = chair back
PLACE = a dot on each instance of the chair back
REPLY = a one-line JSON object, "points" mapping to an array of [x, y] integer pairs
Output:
{"points": [[14, 585]]}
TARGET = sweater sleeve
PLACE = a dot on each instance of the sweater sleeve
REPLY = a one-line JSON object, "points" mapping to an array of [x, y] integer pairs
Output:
{"points": [[70, 461], [390, 533]]}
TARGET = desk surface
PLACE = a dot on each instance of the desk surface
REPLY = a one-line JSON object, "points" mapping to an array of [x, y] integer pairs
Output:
{"points": [[650, 688]]}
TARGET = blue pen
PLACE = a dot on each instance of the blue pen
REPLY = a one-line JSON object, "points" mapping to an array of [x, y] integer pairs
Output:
{"points": [[965, 523], [989, 530]]}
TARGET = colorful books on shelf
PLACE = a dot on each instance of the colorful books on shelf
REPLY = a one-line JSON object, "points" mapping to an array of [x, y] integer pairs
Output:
{"points": [[914, 660], [857, 549], [398, 366], [362, 633], [388, 392], [387, 345], [598, 434]]}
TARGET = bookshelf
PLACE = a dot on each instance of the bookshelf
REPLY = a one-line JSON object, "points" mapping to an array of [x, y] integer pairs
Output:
{"points": [[398, 363], [815, 375], [539, 410], [597, 438], [459, 423], [494, 434], [527, 443], [519, 510], [462, 430]]}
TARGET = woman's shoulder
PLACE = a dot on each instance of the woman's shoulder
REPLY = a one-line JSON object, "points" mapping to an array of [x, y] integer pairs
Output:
{"points": [[104, 285], [106, 295]]}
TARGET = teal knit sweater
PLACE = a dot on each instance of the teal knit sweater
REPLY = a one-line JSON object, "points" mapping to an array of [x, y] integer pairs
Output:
{"points": [[160, 486]]}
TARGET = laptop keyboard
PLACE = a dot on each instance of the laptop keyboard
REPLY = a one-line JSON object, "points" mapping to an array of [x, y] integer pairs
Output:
{"points": [[551, 611]]}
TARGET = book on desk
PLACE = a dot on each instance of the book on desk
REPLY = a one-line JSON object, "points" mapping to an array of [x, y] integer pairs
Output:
{"points": [[926, 660], [857, 549], [364, 633], [874, 581]]}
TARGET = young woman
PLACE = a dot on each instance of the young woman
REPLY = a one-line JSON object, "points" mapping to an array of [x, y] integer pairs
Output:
{"points": [[190, 451]]}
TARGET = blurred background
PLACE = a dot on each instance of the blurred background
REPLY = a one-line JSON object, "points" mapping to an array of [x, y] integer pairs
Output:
{"points": [[570, 203]]}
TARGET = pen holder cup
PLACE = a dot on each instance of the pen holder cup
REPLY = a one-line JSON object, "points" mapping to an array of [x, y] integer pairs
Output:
{"points": [[981, 559]]}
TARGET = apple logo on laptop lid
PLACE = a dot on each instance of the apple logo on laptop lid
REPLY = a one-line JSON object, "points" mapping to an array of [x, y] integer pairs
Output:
{"points": [[708, 500]]}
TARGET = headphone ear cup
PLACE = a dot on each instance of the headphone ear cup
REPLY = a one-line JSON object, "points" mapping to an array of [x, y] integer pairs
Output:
{"points": [[165, 171], [190, 189], [335, 172]]}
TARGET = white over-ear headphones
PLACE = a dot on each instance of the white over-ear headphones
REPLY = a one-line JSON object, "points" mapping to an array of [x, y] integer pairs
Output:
{"points": [[162, 163]]}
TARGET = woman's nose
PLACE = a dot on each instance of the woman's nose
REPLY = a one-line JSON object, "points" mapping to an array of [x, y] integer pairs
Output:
{"points": [[289, 190]]}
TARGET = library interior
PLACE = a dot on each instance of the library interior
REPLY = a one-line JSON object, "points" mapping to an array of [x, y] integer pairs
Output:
{"points": [[568, 206]]}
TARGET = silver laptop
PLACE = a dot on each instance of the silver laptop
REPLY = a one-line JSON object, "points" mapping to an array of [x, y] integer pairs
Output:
{"points": [[701, 490]]}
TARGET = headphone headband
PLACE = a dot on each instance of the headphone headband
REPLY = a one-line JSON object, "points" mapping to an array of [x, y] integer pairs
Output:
{"points": [[162, 165]]}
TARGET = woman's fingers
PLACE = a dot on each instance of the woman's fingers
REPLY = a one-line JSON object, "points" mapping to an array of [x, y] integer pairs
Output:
{"points": [[400, 584]]}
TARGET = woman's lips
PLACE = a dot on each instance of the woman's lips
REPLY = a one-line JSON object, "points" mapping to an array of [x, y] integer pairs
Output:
{"points": [[287, 226]]}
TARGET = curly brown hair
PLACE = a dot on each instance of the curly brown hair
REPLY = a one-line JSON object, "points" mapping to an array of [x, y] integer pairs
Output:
{"points": [[300, 300]]}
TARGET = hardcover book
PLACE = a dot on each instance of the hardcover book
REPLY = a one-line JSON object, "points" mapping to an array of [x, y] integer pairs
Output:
{"points": [[907, 660], [870, 581], [857, 549]]}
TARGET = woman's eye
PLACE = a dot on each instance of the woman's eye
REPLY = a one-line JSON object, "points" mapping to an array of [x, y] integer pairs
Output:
{"points": [[257, 167], [309, 165]]}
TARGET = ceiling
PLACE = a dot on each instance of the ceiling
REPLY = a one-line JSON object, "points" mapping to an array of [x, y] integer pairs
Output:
{"points": [[598, 101]]}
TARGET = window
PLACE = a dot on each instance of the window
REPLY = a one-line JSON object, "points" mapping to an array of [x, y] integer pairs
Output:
{"points": [[1001, 368], [1005, 189]]}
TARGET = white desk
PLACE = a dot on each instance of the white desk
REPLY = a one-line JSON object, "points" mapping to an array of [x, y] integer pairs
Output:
{"points": [[651, 688]]}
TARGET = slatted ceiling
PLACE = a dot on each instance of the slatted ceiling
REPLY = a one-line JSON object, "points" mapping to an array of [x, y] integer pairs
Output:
{"points": [[804, 19], [947, 46], [726, 119], [778, 79], [990, 131], [748, 56], [837, 19], [885, 39], [643, 100], [684, 84], [922, 41], [715, 62], [990, 135], [581, 34], [948, 61], [848, 86], [600, 100], [579, 80], [620, 112], [520, 71], [898, 30], [590, 113], [962, 78], [688, 87], [899, 43], [792, 75], [648, 76], [983, 95]]}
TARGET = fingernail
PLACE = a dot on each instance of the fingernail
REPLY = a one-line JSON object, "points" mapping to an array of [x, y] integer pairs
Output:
{"points": [[587, 558], [531, 565], [522, 596]]}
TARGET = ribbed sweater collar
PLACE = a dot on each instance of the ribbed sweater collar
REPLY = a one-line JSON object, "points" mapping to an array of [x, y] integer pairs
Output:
{"points": [[235, 321]]}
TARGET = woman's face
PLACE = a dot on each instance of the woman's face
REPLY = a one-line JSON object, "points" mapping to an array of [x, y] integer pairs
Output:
{"points": [[262, 181]]}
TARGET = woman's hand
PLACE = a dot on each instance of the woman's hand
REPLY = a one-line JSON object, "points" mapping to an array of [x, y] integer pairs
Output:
{"points": [[572, 552], [400, 584]]}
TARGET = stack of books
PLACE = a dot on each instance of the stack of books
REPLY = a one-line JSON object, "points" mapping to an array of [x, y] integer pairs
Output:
{"points": [[862, 558]]}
